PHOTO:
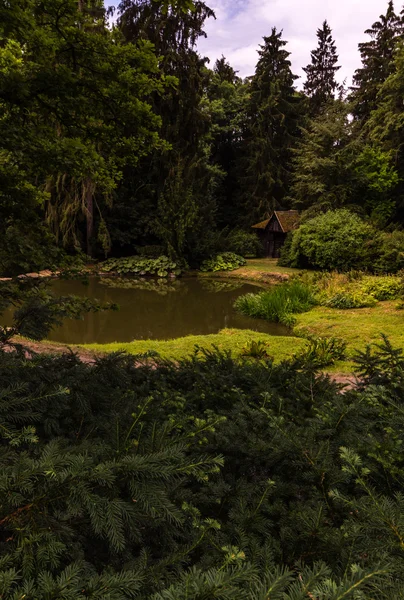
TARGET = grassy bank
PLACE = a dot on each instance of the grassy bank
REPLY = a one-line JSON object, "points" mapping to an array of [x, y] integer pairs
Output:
{"points": [[264, 270], [358, 327], [227, 339]]}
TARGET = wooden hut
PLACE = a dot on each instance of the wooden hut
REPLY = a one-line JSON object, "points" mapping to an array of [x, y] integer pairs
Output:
{"points": [[273, 231]]}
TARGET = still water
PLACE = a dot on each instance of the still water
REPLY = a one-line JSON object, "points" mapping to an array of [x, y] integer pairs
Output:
{"points": [[153, 309]]}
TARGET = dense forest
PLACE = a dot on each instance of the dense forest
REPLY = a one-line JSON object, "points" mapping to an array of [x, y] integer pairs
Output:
{"points": [[117, 137], [211, 477]]}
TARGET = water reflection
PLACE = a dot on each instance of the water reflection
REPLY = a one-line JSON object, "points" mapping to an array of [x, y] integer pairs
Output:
{"points": [[153, 309]]}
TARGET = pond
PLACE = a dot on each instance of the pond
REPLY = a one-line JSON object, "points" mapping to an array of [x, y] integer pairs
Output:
{"points": [[157, 309]]}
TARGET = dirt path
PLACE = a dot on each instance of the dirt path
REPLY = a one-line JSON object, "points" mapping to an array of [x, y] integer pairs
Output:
{"points": [[86, 356]]}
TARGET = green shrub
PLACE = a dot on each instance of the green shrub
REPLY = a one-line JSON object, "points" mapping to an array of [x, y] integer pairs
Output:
{"points": [[244, 243], [226, 261], [337, 240], [26, 248], [161, 267], [322, 352], [383, 288], [391, 254], [354, 299], [279, 304]]}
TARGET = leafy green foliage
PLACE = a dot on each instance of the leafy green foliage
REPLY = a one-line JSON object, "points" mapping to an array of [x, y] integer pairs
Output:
{"points": [[278, 304], [25, 249], [73, 137], [391, 253], [322, 352], [256, 349], [383, 288], [161, 267], [354, 299], [226, 261], [377, 178], [244, 244], [337, 240], [354, 289]]}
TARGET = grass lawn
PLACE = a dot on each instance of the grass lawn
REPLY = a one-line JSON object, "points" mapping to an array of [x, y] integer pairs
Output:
{"points": [[227, 339], [357, 327], [256, 269]]}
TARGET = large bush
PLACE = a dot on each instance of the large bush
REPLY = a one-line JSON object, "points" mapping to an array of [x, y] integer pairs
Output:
{"points": [[337, 240], [391, 255], [244, 243]]}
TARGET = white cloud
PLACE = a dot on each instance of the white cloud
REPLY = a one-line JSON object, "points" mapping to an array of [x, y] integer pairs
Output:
{"points": [[241, 25]]}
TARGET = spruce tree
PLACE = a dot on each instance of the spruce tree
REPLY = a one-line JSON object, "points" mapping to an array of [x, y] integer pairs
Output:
{"points": [[385, 126], [377, 56], [322, 162], [271, 129], [321, 84]]}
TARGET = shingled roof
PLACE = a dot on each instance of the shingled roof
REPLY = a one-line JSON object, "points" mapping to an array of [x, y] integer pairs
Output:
{"points": [[287, 219]]}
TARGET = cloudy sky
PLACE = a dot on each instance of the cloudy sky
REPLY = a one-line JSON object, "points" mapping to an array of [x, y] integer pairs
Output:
{"points": [[240, 25]]}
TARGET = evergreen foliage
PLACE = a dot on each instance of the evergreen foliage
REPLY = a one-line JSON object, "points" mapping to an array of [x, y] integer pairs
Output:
{"points": [[377, 62], [323, 176], [321, 85], [207, 478], [272, 118]]}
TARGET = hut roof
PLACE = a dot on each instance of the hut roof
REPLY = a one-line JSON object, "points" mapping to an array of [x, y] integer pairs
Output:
{"points": [[287, 219]]}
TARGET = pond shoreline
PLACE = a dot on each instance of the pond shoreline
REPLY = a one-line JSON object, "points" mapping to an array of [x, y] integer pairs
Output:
{"points": [[358, 327], [90, 357]]}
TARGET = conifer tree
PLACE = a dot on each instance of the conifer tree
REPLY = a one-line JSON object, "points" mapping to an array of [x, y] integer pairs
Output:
{"points": [[225, 71], [385, 126], [377, 62], [321, 84], [322, 173], [271, 129]]}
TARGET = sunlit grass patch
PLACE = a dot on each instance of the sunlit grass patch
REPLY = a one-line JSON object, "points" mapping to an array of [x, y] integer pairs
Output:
{"points": [[233, 340]]}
